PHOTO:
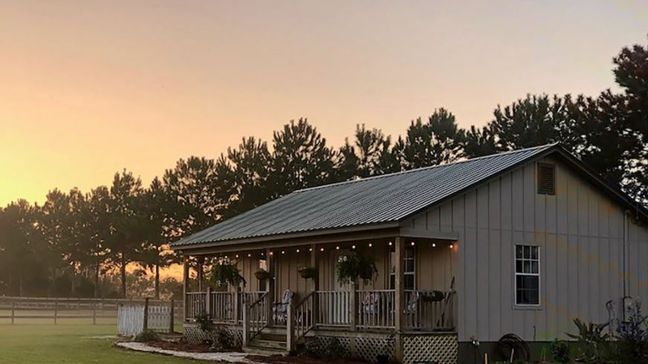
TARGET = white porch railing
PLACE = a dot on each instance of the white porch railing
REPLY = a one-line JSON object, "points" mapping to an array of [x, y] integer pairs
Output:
{"points": [[376, 309], [368, 309], [334, 308]]}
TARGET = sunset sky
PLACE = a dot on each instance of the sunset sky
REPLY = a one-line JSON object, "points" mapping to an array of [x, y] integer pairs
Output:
{"points": [[90, 87]]}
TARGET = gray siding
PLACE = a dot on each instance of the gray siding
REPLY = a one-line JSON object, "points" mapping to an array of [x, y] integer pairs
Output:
{"points": [[580, 232]]}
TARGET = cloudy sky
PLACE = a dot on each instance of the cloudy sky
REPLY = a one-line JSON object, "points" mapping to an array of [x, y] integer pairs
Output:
{"points": [[90, 87]]}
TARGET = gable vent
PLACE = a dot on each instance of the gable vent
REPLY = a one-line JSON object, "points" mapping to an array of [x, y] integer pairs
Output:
{"points": [[546, 179]]}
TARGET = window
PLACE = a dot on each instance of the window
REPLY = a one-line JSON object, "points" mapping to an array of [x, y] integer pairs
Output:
{"points": [[527, 275], [546, 179], [409, 269]]}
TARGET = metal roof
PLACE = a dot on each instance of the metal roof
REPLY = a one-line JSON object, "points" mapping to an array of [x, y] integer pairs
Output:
{"points": [[375, 200]]}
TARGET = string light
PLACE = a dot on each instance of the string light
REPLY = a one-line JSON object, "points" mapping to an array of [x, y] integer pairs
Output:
{"points": [[451, 246], [283, 252], [352, 246], [321, 249], [434, 245], [390, 243], [370, 245], [236, 255], [249, 255], [310, 249], [270, 253], [297, 250], [337, 248], [413, 243]]}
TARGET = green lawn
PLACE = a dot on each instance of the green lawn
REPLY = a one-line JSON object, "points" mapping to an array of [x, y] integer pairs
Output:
{"points": [[29, 343]]}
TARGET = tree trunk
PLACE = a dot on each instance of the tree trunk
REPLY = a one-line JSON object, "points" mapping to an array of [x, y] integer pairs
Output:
{"points": [[96, 281], [157, 281], [123, 275]]}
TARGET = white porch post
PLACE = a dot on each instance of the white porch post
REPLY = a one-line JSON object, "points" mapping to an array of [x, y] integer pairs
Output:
{"points": [[399, 305], [271, 286], [316, 281], [246, 322], [185, 288]]}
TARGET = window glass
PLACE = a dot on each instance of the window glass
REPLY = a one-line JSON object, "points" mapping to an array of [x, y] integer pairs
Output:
{"points": [[527, 275]]}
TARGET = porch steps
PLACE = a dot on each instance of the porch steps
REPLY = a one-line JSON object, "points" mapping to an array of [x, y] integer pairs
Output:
{"points": [[269, 343]]}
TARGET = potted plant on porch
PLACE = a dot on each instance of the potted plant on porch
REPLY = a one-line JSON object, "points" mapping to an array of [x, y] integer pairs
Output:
{"points": [[351, 267], [262, 274], [224, 273], [308, 272]]}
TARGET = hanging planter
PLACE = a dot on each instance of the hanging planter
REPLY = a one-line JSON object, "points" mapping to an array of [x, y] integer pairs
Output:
{"points": [[308, 272], [262, 274], [224, 273], [351, 267]]}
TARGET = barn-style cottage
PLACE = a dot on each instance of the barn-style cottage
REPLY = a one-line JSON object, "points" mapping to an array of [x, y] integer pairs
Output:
{"points": [[519, 242]]}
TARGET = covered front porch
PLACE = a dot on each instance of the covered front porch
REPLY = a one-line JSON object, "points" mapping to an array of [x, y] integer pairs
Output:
{"points": [[411, 293]]}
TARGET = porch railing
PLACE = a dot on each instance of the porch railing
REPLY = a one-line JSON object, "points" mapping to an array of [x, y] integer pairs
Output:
{"points": [[334, 308], [223, 307], [429, 310], [376, 309], [195, 304], [303, 315], [255, 317]]}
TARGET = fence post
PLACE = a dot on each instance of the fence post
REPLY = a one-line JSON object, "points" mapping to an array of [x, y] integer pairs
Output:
{"points": [[94, 312], [55, 310], [13, 312], [172, 317], [146, 309]]}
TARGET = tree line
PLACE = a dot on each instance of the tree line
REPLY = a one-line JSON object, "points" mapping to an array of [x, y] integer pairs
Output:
{"points": [[75, 240]]}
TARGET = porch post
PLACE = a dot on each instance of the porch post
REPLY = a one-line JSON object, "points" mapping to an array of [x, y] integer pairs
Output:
{"points": [[246, 322], [353, 310], [316, 282], [290, 330], [200, 273], [208, 303], [399, 305], [185, 287], [271, 287]]}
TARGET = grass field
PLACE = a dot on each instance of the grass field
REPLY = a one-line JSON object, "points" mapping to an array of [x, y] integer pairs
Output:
{"points": [[41, 342]]}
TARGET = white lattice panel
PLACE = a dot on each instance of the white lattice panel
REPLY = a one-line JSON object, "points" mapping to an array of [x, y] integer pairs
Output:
{"points": [[440, 349]]}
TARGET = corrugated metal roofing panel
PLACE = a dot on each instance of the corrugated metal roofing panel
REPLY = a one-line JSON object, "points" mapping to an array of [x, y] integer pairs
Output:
{"points": [[373, 200]]}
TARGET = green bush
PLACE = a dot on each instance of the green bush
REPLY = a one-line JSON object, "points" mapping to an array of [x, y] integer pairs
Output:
{"points": [[560, 351]]}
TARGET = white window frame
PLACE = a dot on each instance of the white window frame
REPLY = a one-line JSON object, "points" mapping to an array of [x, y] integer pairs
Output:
{"points": [[405, 273], [538, 274]]}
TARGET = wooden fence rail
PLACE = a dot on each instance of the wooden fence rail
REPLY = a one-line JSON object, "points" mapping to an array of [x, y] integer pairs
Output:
{"points": [[60, 310]]}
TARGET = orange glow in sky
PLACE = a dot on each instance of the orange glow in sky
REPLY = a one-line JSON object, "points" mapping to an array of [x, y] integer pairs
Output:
{"points": [[90, 87]]}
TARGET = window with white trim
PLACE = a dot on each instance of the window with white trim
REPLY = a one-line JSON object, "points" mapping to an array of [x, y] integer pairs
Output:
{"points": [[527, 275], [409, 269]]}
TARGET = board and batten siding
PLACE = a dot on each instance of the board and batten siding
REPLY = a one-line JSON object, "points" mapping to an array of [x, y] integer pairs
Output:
{"points": [[580, 233]]}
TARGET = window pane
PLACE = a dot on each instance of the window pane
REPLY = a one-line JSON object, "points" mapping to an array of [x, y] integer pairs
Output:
{"points": [[534, 267], [527, 266], [392, 281], [409, 265], [409, 281], [528, 290], [518, 266], [527, 252], [534, 252], [518, 251], [409, 253]]}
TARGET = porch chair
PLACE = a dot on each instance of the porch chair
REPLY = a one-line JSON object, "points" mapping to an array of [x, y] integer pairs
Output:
{"points": [[280, 310]]}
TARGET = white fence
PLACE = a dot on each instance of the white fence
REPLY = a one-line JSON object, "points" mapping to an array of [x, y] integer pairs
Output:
{"points": [[135, 318]]}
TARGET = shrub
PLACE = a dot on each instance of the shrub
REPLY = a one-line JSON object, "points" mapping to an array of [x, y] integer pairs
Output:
{"points": [[146, 336], [330, 349], [560, 351], [592, 343], [633, 339]]}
